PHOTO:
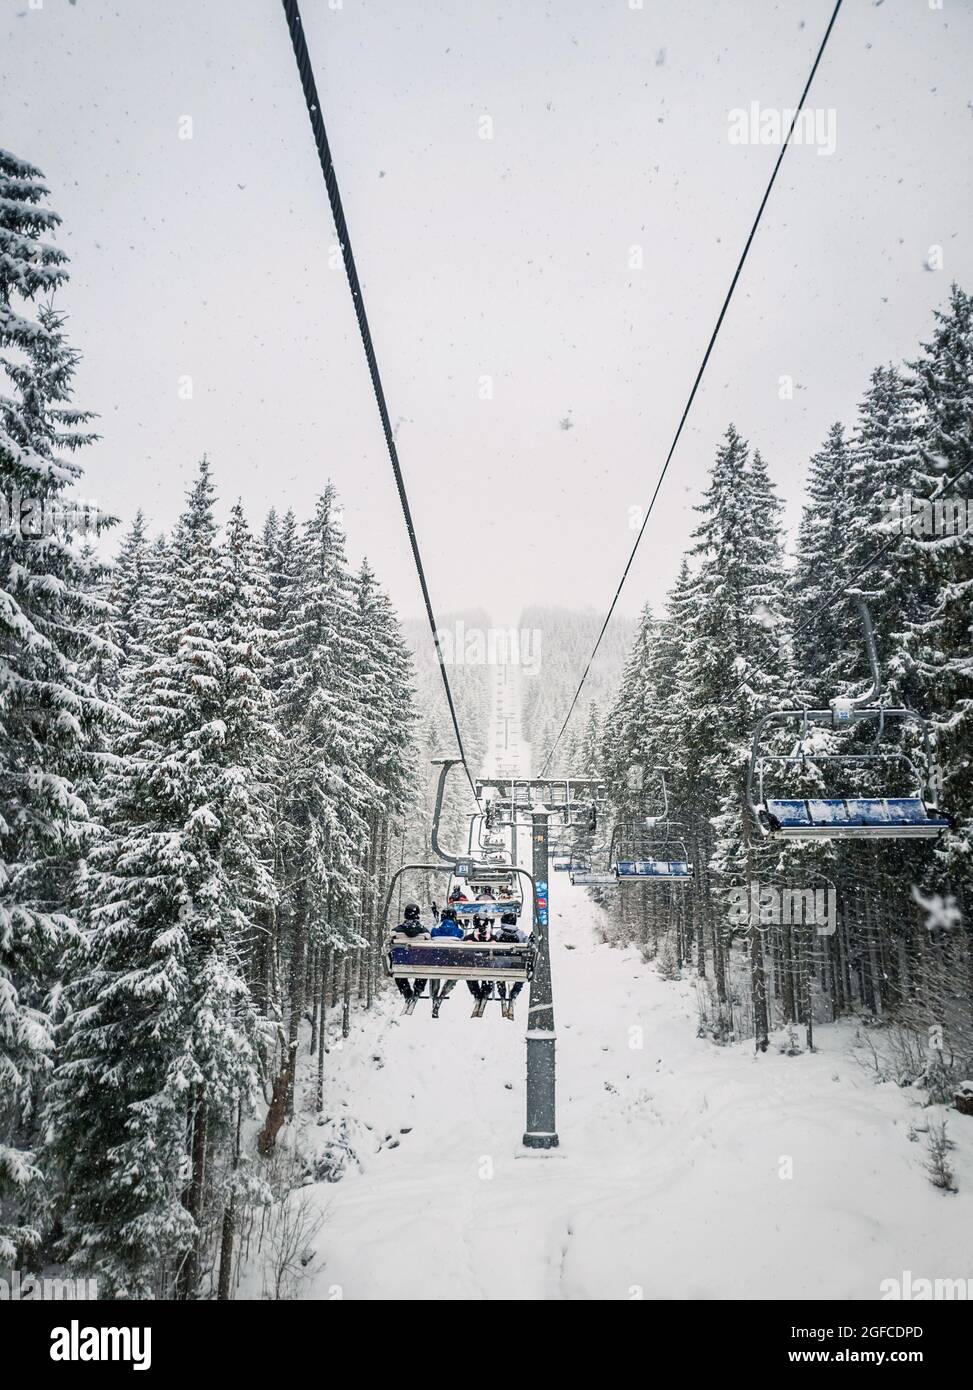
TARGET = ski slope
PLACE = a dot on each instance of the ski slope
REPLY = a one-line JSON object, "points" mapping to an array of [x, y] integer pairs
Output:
{"points": [[686, 1170], [668, 1181]]}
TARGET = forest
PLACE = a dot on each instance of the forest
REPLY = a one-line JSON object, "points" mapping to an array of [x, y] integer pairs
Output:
{"points": [[207, 746], [215, 747], [750, 628]]}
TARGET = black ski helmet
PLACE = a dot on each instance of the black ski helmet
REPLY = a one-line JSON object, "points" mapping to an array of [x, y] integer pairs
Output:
{"points": [[412, 912], [449, 914], [509, 919]]}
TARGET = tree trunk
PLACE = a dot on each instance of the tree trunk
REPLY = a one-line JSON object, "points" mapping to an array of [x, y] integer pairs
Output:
{"points": [[297, 980], [346, 995], [315, 1000], [192, 1198], [277, 1111], [758, 978], [322, 1040], [228, 1233]]}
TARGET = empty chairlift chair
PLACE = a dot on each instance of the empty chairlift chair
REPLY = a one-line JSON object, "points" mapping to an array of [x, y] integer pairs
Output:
{"points": [[650, 850], [847, 817], [852, 818], [658, 861], [586, 874]]}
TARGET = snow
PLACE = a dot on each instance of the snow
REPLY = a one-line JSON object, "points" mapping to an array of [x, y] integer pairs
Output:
{"points": [[668, 1182], [685, 1169]]}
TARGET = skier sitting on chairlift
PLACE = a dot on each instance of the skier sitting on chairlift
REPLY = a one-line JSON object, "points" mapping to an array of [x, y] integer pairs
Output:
{"points": [[485, 895], [508, 934], [410, 929], [446, 929], [481, 990], [457, 895]]}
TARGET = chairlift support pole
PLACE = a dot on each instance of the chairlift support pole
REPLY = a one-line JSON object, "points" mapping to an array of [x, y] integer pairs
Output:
{"points": [[869, 697], [541, 1131]]}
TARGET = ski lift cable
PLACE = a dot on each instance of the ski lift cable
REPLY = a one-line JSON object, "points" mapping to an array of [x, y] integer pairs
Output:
{"points": [[295, 25], [699, 376]]}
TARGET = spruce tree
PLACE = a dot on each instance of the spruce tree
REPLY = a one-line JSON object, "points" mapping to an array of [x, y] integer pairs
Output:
{"points": [[325, 806], [939, 635], [159, 1052], [47, 709], [821, 569], [737, 664]]}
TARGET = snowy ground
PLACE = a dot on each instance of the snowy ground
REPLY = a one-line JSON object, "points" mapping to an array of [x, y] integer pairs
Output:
{"points": [[508, 755], [686, 1170], [668, 1183]]}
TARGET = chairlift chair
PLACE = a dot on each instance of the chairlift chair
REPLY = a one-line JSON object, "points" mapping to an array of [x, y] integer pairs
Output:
{"points": [[448, 959], [499, 882], [670, 865], [585, 875], [646, 849], [847, 817]]}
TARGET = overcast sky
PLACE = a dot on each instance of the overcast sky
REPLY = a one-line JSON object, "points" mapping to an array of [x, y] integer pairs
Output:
{"points": [[504, 258]]}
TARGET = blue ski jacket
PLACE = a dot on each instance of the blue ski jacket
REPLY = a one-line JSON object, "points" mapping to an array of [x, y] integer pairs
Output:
{"points": [[448, 929]]}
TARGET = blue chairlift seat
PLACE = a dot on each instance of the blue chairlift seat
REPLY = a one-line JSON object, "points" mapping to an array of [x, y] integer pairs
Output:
{"points": [[461, 960], [670, 870], [855, 818], [489, 908]]}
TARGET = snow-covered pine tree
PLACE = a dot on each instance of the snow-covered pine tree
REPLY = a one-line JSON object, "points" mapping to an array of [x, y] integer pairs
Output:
{"points": [[250, 747], [939, 640], [938, 649], [159, 1052], [625, 732], [47, 710], [883, 470], [589, 745], [671, 746], [736, 661], [325, 804], [131, 577], [384, 678], [248, 809], [279, 540], [821, 569], [627, 751]]}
